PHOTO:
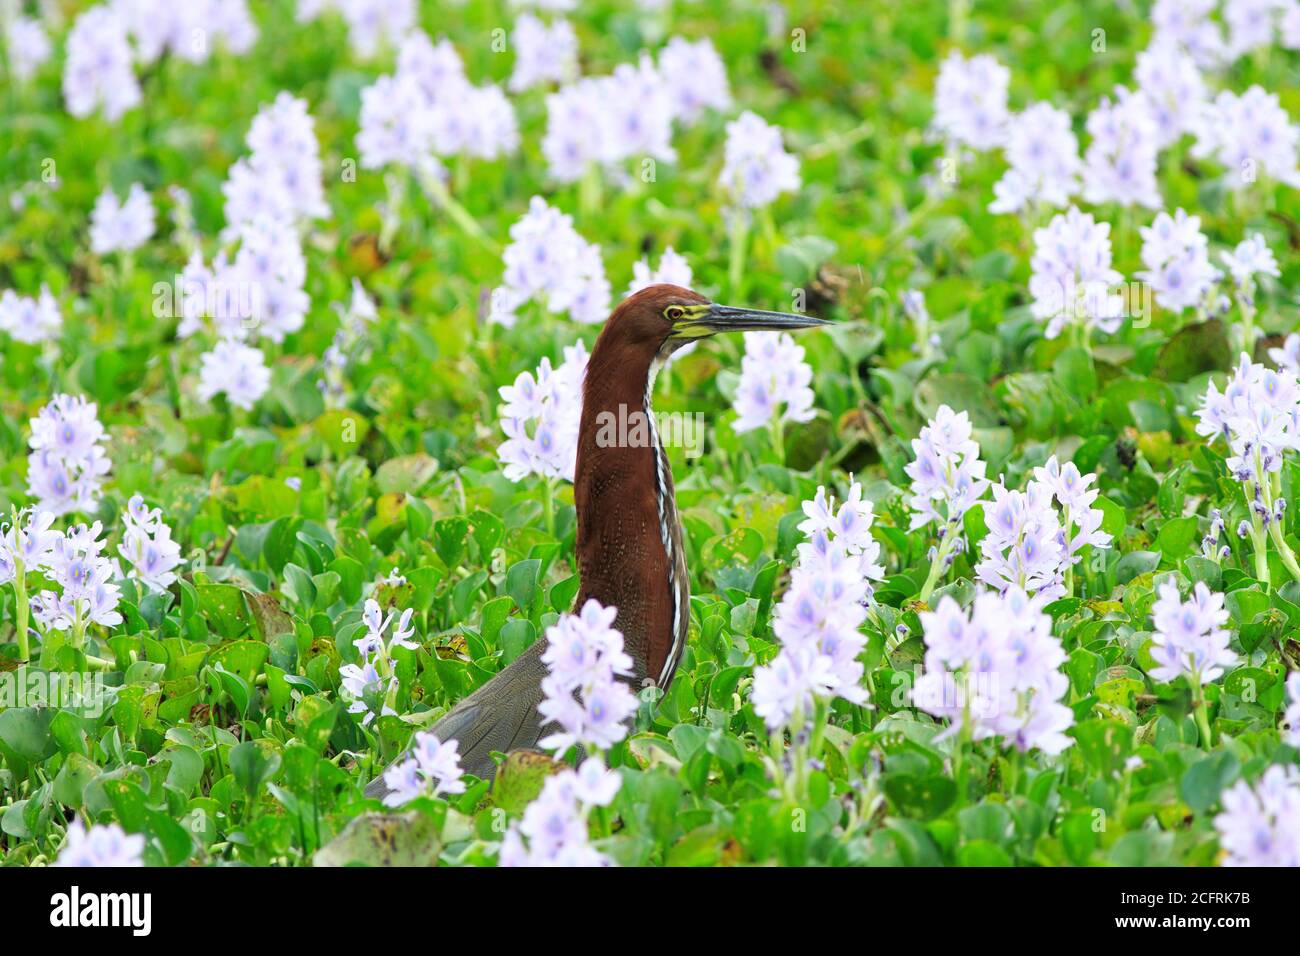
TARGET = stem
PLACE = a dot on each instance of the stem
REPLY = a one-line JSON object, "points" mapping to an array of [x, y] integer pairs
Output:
{"points": [[936, 568], [778, 437], [959, 767], [21, 610], [394, 200], [1245, 295], [548, 504], [590, 189], [739, 249], [437, 191], [1202, 712], [1261, 547], [958, 14]]}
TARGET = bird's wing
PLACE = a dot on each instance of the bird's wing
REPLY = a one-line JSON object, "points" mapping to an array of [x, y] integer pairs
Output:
{"points": [[501, 715]]}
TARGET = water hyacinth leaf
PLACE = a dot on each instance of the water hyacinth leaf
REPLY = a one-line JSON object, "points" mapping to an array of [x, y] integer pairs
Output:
{"points": [[520, 778], [253, 765], [384, 839], [26, 732], [1203, 782], [449, 537], [515, 637], [921, 797], [76, 772], [405, 475], [223, 606], [1177, 538], [521, 585]]}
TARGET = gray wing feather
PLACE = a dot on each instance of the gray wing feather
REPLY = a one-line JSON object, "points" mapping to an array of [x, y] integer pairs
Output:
{"points": [[501, 715]]}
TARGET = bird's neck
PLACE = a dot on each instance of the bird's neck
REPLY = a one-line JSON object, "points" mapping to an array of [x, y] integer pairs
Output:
{"points": [[629, 538]]}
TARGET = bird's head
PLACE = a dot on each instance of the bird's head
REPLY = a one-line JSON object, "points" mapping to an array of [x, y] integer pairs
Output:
{"points": [[663, 318]]}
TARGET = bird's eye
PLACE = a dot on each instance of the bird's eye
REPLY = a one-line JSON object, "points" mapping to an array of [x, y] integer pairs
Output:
{"points": [[675, 312]]}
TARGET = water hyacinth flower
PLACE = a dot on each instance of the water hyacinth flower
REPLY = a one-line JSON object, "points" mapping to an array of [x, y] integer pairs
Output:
{"points": [[1291, 719], [187, 30], [261, 287], [1080, 521], [372, 24], [947, 479], [84, 576], [547, 261], [1250, 258], [117, 226], [775, 382], [97, 71], [555, 830], [67, 461], [1252, 24], [27, 46], [235, 370], [756, 168], [540, 418], [432, 769], [543, 54], [396, 126], [1290, 27], [1190, 640], [1072, 281], [1288, 356], [819, 617], [584, 695], [1044, 156], [377, 641], [26, 545], [1030, 544], [281, 178], [1174, 251], [354, 317], [970, 101], [603, 121], [1256, 414], [1120, 164], [30, 319], [147, 546], [358, 680], [1249, 134], [1188, 25], [1024, 547], [914, 307], [994, 672], [695, 77], [673, 269], [104, 844], [1170, 82], [1260, 824]]}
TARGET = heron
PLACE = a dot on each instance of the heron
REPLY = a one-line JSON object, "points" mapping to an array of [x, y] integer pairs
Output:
{"points": [[629, 538]]}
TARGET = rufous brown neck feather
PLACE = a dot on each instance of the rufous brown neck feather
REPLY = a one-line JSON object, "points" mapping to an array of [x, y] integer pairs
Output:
{"points": [[629, 538]]}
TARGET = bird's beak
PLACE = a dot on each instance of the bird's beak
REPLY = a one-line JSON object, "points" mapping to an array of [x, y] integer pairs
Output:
{"points": [[714, 318]]}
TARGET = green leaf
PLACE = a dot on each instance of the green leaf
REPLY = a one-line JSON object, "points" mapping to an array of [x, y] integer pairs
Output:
{"points": [[520, 779], [253, 764], [26, 731], [385, 839], [1177, 538], [405, 475], [1204, 780], [922, 797], [521, 584]]}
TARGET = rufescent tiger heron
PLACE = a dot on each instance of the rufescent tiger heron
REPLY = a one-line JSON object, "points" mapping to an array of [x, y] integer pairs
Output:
{"points": [[629, 539]]}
